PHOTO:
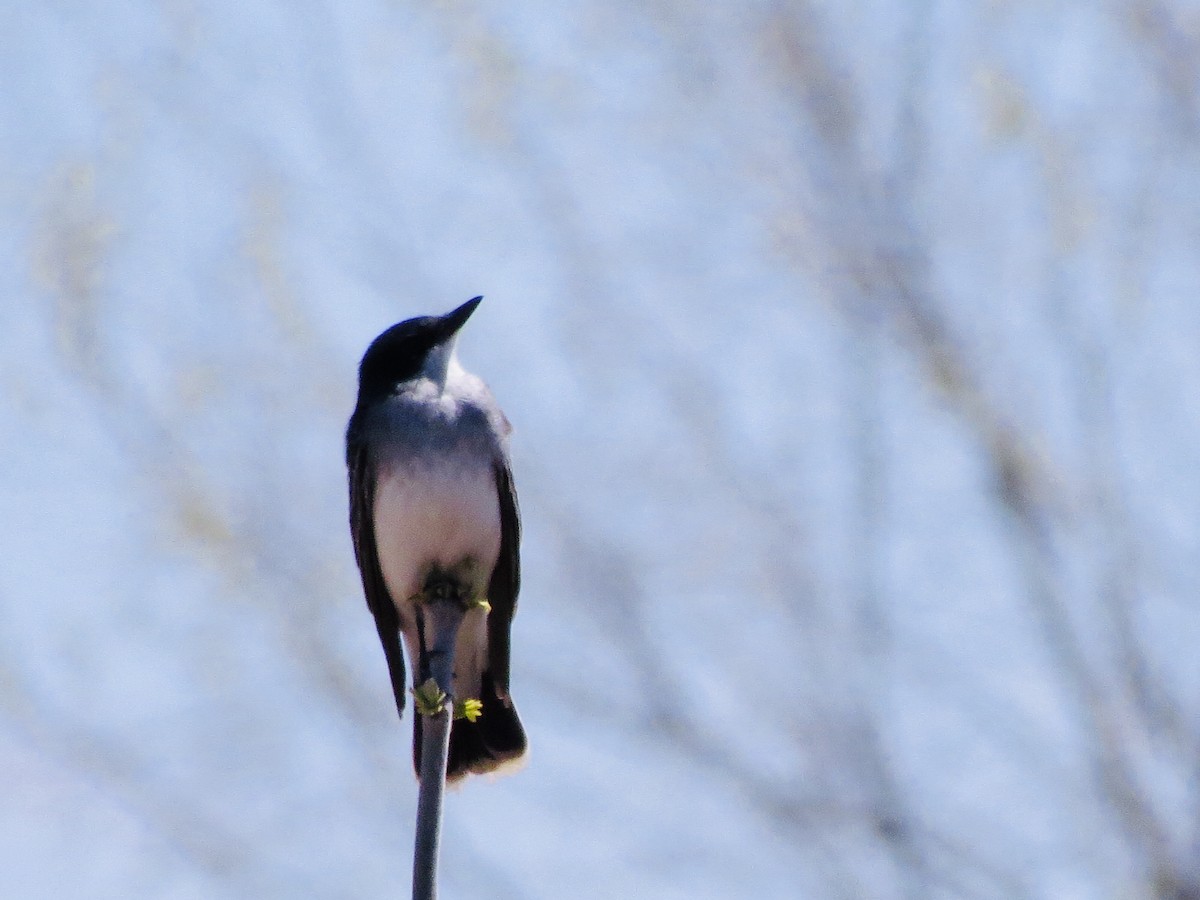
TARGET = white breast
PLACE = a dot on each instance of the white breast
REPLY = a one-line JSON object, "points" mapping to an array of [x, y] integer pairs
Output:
{"points": [[441, 512]]}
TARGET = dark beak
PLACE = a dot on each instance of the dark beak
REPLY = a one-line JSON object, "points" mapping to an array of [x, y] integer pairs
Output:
{"points": [[452, 321]]}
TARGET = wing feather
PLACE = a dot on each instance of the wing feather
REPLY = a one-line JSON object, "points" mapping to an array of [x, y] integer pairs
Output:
{"points": [[505, 582], [379, 600]]}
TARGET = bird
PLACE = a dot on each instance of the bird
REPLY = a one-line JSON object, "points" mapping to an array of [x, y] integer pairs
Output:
{"points": [[433, 514]]}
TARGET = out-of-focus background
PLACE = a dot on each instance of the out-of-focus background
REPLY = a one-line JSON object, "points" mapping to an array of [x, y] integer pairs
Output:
{"points": [[853, 351]]}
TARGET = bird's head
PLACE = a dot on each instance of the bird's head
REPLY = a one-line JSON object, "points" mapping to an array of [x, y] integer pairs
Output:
{"points": [[415, 348]]}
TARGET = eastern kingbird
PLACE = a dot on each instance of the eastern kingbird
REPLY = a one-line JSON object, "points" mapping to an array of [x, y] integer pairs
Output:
{"points": [[433, 514]]}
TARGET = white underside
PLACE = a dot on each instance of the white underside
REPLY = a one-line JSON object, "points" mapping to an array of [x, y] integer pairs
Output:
{"points": [[444, 514]]}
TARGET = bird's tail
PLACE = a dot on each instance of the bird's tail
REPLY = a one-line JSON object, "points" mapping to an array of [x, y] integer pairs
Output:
{"points": [[492, 741]]}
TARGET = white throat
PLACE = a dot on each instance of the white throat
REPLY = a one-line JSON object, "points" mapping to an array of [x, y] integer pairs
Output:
{"points": [[441, 363]]}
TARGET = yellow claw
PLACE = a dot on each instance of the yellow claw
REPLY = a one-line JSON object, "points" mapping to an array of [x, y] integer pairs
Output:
{"points": [[469, 709], [429, 698]]}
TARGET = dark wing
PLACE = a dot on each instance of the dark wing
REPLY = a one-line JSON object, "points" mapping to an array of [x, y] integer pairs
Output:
{"points": [[506, 581], [362, 529]]}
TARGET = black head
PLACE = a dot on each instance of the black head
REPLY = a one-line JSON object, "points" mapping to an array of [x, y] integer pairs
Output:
{"points": [[401, 352]]}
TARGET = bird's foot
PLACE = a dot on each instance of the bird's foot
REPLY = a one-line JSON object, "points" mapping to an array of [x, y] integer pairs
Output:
{"points": [[428, 698], [468, 709]]}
